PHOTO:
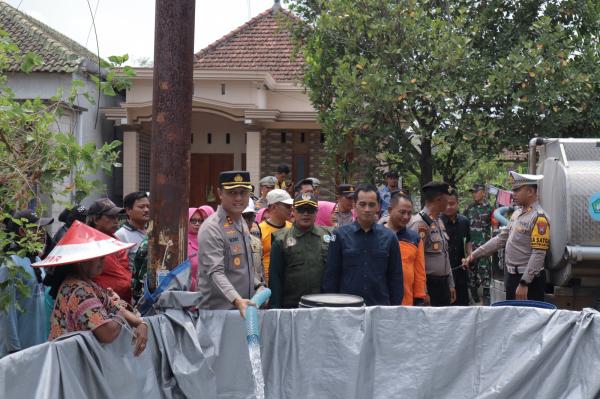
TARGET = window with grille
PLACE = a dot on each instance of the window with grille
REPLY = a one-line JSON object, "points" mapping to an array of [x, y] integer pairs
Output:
{"points": [[144, 161]]}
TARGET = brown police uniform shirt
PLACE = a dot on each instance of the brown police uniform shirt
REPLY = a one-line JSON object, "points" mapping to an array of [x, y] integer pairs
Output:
{"points": [[225, 268], [526, 238], [435, 240]]}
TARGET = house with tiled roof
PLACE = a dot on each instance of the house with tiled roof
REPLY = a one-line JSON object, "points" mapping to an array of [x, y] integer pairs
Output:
{"points": [[249, 111], [64, 61]]}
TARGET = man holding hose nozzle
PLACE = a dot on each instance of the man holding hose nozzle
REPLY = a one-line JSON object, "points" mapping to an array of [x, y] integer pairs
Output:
{"points": [[526, 241], [226, 276]]}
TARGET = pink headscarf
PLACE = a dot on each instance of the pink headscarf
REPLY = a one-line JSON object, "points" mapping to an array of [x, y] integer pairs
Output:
{"points": [[259, 214], [206, 211], [324, 213]]}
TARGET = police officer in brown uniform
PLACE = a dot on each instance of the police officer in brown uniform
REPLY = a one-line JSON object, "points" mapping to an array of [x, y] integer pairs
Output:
{"points": [[226, 276], [526, 240], [345, 204], [431, 229]]}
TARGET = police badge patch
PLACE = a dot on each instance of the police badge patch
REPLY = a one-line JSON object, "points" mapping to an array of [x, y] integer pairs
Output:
{"points": [[291, 241], [327, 238]]}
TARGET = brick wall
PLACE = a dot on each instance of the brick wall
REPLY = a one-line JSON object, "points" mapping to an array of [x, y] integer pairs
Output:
{"points": [[275, 153]]}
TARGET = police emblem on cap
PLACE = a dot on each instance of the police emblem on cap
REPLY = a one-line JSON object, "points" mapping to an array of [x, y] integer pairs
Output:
{"points": [[306, 196], [238, 178], [291, 241], [511, 179]]}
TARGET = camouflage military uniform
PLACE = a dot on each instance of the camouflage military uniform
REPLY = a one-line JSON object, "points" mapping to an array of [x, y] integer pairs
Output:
{"points": [[480, 221]]}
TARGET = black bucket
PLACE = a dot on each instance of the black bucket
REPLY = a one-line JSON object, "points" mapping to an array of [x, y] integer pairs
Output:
{"points": [[331, 301]]}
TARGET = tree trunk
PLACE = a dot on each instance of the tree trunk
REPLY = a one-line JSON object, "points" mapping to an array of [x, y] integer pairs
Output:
{"points": [[425, 165]]}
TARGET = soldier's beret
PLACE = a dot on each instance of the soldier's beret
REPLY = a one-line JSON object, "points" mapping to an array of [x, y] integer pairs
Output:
{"points": [[437, 187]]}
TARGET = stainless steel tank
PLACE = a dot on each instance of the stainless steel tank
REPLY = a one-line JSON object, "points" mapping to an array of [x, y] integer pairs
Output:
{"points": [[570, 195]]}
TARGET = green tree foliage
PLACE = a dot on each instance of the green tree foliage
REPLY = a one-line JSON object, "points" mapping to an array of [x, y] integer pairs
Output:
{"points": [[433, 87], [37, 159]]}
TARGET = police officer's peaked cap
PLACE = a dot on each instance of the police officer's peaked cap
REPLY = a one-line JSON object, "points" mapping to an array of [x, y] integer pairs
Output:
{"points": [[306, 199], [302, 183], [315, 182], [235, 179], [437, 187], [268, 181], [518, 180], [347, 190], [477, 187]]}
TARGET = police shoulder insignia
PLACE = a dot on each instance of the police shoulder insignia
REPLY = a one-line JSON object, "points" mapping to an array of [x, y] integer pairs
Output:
{"points": [[540, 234], [291, 241], [422, 231]]}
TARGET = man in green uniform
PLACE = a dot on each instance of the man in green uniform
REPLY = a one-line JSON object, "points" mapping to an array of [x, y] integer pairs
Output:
{"points": [[298, 255], [479, 214]]}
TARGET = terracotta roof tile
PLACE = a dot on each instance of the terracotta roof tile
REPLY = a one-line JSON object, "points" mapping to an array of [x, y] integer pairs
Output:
{"points": [[261, 44], [60, 54]]}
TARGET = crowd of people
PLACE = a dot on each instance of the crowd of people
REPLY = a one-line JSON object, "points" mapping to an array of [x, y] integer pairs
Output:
{"points": [[370, 242]]}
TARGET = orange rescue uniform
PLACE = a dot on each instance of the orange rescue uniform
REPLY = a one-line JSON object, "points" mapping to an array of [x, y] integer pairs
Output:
{"points": [[413, 265]]}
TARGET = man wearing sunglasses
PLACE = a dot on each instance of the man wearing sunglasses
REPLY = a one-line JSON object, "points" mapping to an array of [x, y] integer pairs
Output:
{"points": [[298, 255]]}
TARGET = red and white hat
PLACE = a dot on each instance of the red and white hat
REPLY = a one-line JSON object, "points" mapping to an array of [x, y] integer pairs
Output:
{"points": [[81, 243]]}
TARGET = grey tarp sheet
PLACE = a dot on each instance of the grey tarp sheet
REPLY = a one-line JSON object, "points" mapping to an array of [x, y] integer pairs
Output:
{"points": [[379, 352]]}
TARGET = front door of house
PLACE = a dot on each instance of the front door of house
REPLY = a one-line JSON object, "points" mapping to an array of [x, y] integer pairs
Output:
{"points": [[204, 177]]}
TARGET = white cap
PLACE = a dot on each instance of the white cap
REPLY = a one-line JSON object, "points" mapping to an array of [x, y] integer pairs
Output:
{"points": [[250, 208], [521, 179], [316, 182], [278, 195]]}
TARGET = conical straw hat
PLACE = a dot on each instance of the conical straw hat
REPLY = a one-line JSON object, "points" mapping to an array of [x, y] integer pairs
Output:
{"points": [[80, 243]]}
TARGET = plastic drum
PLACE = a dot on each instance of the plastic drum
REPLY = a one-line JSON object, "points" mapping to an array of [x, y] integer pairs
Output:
{"points": [[528, 304], [331, 301]]}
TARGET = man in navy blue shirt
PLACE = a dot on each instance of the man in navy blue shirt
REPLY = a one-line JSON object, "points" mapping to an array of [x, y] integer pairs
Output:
{"points": [[364, 257]]}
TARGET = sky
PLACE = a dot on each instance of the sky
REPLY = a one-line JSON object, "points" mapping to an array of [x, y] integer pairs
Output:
{"points": [[127, 26]]}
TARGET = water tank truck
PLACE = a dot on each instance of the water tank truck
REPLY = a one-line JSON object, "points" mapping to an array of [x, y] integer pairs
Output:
{"points": [[570, 196]]}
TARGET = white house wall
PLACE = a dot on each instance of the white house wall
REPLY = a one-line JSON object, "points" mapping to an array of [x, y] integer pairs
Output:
{"points": [[81, 123], [203, 124], [237, 93]]}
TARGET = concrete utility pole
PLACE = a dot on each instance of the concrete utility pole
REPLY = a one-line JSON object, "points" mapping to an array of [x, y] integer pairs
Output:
{"points": [[171, 135]]}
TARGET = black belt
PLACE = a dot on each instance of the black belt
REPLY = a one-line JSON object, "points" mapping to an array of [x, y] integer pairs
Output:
{"points": [[438, 278]]}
